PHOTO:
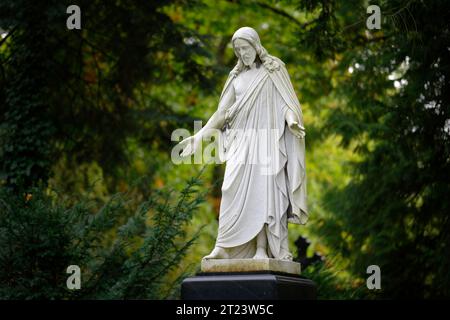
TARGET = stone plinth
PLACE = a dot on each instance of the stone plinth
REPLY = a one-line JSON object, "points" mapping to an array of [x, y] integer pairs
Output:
{"points": [[250, 265], [247, 286]]}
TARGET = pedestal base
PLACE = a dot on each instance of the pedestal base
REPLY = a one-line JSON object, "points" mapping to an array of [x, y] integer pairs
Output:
{"points": [[250, 265], [247, 286]]}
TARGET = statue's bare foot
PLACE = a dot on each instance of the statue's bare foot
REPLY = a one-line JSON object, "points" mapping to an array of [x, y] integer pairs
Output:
{"points": [[217, 253], [261, 253]]}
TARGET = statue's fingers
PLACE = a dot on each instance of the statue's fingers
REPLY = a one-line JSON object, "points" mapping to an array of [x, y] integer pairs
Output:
{"points": [[302, 135], [299, 133], [186, 151], [300, 127]]}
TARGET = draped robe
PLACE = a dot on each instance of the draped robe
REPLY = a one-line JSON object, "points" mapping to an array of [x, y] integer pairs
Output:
{"points": [[264, 184]]}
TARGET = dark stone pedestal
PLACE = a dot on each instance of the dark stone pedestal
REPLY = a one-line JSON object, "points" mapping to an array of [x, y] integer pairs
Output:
{"points": [[247, 286]]}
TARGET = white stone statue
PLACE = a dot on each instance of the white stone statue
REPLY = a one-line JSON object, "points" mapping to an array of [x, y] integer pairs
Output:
{"points": [[264, 185]]}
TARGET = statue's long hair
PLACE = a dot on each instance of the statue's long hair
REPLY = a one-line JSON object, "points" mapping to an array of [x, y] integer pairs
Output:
{"points": [[270, 62]]}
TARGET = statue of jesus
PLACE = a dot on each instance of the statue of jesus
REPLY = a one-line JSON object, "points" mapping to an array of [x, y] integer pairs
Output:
{"points": [[257, 203]]}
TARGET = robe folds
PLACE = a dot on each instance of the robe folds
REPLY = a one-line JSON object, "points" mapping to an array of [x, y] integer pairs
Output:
{"points": [[264, 184]]}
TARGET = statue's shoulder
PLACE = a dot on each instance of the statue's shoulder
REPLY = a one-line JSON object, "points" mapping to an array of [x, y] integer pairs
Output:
{"points": [[280, 62], [276, 66], [231, 76], [276, 70]]}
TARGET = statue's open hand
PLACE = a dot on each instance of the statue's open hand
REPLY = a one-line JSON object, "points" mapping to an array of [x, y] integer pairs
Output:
{"points": [[297, 129], [190, 145], [294, 126]]}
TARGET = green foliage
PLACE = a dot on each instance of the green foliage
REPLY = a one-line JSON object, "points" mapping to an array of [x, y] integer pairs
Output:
{"points": [[79, 94], [330, 284], [25, 129], [395, 211], [124, 251], [101, 103], [114, 123]]}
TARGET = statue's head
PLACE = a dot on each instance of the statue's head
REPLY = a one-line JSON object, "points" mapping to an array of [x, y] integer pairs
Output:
{"points": [[245, 51], [247, 47], [245, 43]]}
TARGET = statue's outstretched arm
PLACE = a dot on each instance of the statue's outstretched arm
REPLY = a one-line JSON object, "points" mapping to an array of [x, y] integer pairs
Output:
{"points": [[216, 121]]}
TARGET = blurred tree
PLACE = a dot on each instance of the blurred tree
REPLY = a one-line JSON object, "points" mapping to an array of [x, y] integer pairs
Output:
{"points": [[392, 86], [124, 250], [77, 92], [100, 103]]}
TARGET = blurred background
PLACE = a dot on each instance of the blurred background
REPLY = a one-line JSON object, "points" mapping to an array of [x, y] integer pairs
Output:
{"points": [[86, 117]]}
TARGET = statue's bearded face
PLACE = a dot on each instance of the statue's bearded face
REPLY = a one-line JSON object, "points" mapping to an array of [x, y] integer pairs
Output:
{"points": [[245, 51]]}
